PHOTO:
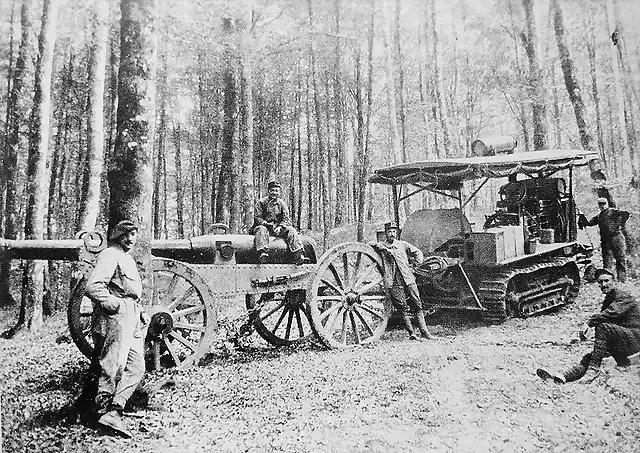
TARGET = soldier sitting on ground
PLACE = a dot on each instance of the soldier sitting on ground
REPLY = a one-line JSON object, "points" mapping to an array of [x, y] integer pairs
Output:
{"points": [[617, 333], [399, 257], [271, 218]]}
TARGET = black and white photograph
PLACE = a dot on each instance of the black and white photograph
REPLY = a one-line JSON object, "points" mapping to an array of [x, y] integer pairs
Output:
{"points": [[319, 226]]}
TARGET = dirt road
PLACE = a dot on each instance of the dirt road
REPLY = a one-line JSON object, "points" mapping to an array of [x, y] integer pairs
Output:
{"points": [[473, 389]]}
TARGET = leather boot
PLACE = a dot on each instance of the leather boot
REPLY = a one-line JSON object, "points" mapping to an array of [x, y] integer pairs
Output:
{"points": [[422, 325], [298, 257], [409, 326], [572, 374], [575, 372]]}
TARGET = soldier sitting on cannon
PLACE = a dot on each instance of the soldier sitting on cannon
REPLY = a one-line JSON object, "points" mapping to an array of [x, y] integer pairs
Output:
{"points": [[271, 218]]}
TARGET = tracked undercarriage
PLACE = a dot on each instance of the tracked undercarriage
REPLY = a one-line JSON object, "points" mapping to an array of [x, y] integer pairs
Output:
{"points": [[524, 258]]}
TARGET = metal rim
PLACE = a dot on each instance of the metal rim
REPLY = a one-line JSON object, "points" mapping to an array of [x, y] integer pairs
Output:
{"points": [[346, 297], [179, 292], [282, 319]]}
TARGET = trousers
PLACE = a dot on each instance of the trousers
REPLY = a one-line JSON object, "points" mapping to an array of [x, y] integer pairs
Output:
{"points": [[288, 233], [119, 352], [614, 251]]}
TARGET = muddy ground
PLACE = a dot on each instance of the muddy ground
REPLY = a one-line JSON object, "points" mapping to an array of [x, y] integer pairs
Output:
{"points": [[473, 389]]}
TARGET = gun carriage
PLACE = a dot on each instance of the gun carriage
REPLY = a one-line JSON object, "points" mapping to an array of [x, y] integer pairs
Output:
{"points": [[194, 280]]}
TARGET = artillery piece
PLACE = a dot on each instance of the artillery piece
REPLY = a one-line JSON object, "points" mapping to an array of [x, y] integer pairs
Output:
{"points": [[339, 298]]}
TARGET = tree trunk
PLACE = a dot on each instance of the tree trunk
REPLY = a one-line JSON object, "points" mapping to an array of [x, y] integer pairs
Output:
{"points": [[90, 199], [536, 81], [31, 314], [439, 86], [363, 122], [16, 115], [625, 170], [131, 172], [321, 151], [571, 83], [180, 192], [341, 179], [159, 168], [224, 194]]}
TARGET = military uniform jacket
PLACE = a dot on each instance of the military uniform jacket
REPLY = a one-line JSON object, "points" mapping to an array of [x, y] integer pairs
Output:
{"points": [[618, 307], [610, 221], [273, 211], [399, 256]]}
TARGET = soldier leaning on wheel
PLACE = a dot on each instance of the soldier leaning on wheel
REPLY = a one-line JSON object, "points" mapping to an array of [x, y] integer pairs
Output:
{"points": [[617, 333], [398, 258], [118, 325]]}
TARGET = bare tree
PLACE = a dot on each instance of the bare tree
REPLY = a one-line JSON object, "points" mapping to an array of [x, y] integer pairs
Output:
{"points": [[16, 115], [31, 315], [130, 174], [90, 199]]}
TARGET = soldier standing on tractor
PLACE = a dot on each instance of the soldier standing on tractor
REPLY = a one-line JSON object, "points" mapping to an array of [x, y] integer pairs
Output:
{"points": [[271, 218], [398, 258], [617, 333], [611, 223], [118, 326]]}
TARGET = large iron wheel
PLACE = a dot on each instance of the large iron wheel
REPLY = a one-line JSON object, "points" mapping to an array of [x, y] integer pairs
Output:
{"points": [[280, 318], [346, 297], [183, 316]]}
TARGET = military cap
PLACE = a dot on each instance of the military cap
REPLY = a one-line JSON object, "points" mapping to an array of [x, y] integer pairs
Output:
{"points": [[604, 271], [603, 200], [390, 226], [273, 184], [122, 228]]}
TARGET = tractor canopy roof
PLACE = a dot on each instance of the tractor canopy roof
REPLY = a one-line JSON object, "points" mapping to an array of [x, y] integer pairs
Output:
{"points": [[450, 173]]}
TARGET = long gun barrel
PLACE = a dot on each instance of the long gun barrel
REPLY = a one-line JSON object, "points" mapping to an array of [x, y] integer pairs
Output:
{"points": [[197, 250]]}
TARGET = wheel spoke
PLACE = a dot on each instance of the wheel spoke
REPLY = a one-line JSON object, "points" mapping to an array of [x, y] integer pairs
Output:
{"points": [[329, 325], [299, 321], [329, 298], [337, 277], [369, 286], [345, 266], [326, 313], [366, 272], [337, 289], [172, 351], [287, 334], [282, 315], [179, 300], [183, 340], [188, 326], [187, 311], [354, 327], [175, 279], [370, 310], [273, 310], [343, 335], [363, 321]]}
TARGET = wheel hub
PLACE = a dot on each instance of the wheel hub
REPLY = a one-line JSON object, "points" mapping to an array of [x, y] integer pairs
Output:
{"points": [[350, 299], [161, 324]]}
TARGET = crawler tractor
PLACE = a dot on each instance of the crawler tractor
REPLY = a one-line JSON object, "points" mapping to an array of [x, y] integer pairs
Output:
{"points": [[524, 259]]}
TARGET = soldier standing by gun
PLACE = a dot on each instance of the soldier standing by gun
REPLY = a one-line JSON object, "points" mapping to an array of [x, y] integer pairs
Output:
{"points": [[398, 258], [118, 326], [611, 223]]}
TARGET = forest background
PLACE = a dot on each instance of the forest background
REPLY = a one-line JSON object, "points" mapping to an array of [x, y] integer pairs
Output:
{"points": [[314, 93]]}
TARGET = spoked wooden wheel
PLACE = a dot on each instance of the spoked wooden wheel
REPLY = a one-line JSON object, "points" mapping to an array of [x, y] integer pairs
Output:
{"points": [[347, 299], [79, 311], [280, 318], [183, 316]]}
